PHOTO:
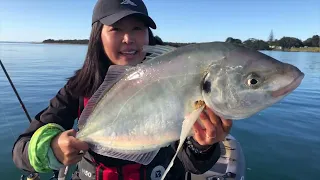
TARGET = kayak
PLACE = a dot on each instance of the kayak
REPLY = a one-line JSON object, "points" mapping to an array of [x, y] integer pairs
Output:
{"points": [[230, 165]]}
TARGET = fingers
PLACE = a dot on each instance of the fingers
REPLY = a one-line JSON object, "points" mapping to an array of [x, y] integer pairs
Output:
{"points": [[66, 147], [69, 160], [213, 117], [199, 133], [208, 125], [71, 155], [226, 125], [214, 128], [71, 132], [79, 145], [76, 159], [74, 142]]}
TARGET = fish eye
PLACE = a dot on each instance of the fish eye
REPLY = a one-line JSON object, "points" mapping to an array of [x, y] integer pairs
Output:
{"points": [[253, 80]]}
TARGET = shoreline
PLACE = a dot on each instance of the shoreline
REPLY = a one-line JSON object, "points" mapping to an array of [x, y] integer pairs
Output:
{"points": [[301, 49], [59, 43]]}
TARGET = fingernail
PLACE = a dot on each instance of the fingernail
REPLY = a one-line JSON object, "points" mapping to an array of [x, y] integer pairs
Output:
{"points": [[211, 137]]}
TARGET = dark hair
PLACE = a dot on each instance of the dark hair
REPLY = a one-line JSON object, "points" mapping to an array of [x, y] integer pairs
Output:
{"points": [[90, 76]]}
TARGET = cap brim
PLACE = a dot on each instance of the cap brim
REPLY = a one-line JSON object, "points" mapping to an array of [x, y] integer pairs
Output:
{"points": [[109, 20]]}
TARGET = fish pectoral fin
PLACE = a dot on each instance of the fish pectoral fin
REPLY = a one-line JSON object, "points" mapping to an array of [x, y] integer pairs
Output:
{"points": [[131, 155], [185, 132], [114, 74]]}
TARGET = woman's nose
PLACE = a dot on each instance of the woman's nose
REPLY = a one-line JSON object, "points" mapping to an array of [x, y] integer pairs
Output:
{"points": [[128, 38]]}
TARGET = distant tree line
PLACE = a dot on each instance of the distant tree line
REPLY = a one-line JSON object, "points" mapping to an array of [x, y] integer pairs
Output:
{"points": [[257, 44], [86, 41], [283, 43], [74, 41]]}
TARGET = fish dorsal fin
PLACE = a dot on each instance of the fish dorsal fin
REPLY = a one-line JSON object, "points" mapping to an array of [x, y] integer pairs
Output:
{"points": [[157, 50], [114, 74]]}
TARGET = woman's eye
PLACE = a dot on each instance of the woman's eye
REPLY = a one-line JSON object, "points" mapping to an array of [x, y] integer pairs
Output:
{"points": [[114, 29], [137, 28]]}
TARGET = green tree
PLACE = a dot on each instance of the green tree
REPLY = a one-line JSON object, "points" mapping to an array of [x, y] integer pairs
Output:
{"points": [[312, 42], [274, 43], [158, 40], [271, 37], [232, 40], [288, 42], [256, 44]]}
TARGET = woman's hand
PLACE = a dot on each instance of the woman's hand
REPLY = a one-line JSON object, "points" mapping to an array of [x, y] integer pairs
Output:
{"points": [[214, 129], [66, 147]]}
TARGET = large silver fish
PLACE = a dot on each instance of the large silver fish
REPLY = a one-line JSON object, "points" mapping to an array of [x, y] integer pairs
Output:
{"points": [[139, 109]]}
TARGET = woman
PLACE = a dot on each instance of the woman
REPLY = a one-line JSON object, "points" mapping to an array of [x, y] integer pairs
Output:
{"points": [[119, 30]]}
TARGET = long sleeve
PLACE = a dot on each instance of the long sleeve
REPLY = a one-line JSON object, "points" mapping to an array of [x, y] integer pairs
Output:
{"points": [[62, 110], [198, 163]]}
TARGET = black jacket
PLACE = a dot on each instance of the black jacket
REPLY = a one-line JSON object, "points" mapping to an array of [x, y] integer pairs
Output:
{"points": [[63, 110]]}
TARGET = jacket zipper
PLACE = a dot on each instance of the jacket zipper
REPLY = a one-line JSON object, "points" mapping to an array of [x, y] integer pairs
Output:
{"points": [[120, 173]]}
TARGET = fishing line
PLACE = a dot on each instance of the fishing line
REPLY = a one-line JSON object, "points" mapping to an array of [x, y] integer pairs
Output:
{"points": [[31, 176], [15, 91], [4, 114], [6, 119]]}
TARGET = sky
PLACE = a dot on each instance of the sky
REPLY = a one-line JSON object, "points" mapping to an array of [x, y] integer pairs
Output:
{"points": [[177, 20]]}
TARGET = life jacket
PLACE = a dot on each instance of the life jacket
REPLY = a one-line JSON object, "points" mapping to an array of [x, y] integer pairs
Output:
{"points": [[89, 169]]}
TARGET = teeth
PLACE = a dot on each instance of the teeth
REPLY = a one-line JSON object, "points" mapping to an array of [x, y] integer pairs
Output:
{"points": [[129, 52]]}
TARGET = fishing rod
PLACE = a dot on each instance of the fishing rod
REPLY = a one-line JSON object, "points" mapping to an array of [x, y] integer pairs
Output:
{"points": [[31, 176], [14, 89]]}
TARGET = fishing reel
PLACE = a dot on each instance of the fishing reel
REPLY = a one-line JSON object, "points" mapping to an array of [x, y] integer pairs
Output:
{"points": [[36, 176], [32, 176], [227, 176]]}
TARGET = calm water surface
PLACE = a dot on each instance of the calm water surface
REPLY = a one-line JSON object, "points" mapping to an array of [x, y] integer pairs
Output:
{"points": [[281, 142]]}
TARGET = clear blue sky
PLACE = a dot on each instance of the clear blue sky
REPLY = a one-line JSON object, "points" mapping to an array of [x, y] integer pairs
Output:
{"points": [[177, 20]]}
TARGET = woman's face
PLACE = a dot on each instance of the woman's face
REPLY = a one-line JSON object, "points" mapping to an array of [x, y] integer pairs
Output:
{"points": [[123, 41]]}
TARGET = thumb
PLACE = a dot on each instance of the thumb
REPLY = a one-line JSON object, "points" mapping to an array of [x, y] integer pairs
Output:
{"points": [[226, 125], [71, 132], [79, 145], [74, 142]]}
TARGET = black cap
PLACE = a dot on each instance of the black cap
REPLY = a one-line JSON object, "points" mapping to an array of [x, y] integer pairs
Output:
{"points": [[110, 11]]}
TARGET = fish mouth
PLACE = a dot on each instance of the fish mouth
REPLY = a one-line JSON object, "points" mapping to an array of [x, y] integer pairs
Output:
{"points": [[289, 88]]}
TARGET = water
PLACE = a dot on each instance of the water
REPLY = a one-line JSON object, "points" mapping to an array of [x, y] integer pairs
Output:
{"points": [[281, 142]]}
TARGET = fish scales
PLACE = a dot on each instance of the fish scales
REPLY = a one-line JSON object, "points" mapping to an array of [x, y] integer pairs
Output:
{"points": [[151, 105], [139, 110]]}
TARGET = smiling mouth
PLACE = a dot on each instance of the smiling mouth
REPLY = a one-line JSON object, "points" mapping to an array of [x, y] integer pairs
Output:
{"points": [[128, 53], [289, 88]]}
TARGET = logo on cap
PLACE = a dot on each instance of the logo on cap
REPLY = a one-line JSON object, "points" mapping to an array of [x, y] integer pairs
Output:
{"points": [[128, 2]]}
